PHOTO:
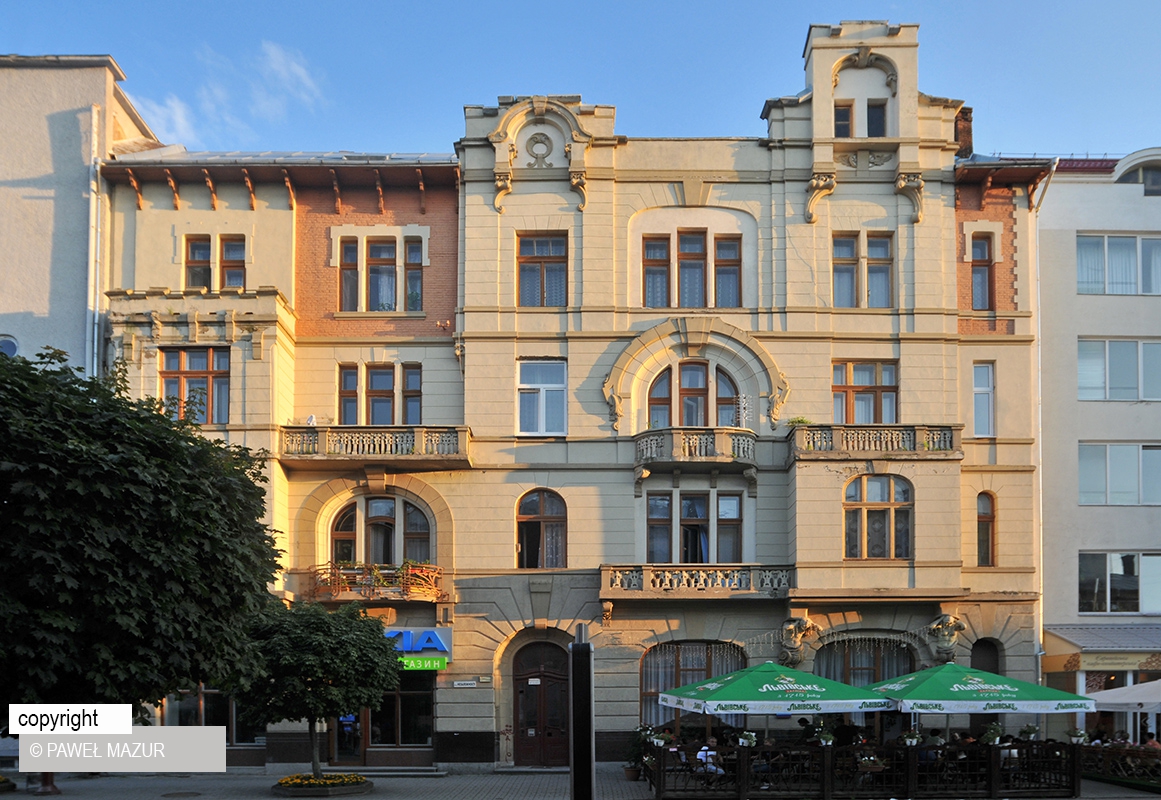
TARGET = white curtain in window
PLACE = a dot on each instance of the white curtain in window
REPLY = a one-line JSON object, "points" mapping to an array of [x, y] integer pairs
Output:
{"points": [[553, 544], [656, 288], [1091, 459], [844, 287], [1090, 370], [1090, 264], [1122, 265], [878, 287], [554, 285], [1151, 266], [692, 277]]}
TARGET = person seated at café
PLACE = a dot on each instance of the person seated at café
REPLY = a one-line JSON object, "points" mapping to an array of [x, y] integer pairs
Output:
{"points": [[708, 761], [1149, 740], [934, 738]]}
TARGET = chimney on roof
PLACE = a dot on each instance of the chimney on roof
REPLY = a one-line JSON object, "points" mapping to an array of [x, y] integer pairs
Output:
{"points": [[963, 132]]}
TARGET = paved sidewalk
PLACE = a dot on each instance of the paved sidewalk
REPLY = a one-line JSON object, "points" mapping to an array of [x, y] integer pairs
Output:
{"points": [[611, 785]]}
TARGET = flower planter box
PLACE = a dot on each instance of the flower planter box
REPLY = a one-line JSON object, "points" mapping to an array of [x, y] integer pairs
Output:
{"points": [[322, 791]]}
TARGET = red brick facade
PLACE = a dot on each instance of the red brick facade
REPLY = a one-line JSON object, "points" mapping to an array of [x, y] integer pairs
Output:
{"points": [[999, 204]]}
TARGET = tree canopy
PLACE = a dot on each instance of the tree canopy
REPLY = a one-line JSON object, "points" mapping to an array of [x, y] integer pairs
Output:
{"points": [[317, 664], [132, 549]]}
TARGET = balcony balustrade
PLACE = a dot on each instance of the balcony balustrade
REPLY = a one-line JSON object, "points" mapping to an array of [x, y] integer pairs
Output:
{"points": [[344, 582], [668, 581], [418, 447], [839, 442], [731, 449]]}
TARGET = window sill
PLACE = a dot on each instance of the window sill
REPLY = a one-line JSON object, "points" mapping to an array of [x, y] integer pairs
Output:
{"points": [[874, 562], [863, 310], [560, 436], [380, 314]]}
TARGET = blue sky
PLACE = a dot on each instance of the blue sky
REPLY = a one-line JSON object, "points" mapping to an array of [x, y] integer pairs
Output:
{"points": [[1053, 78]]}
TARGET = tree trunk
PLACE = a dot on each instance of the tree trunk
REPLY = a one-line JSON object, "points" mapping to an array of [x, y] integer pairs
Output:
{"points": [[47, 785], [315, 766]]}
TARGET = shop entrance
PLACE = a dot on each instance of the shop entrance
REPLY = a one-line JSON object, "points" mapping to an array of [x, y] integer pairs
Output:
{"points": [[540, 678]]}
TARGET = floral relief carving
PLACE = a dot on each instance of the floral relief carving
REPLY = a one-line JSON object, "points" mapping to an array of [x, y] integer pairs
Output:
{"points": [[879, 159], [848, 159], [539, 148]]}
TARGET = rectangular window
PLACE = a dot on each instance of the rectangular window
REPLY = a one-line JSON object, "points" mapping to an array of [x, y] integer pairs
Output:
{"points": [[843, 120], [727, 272], [380, 394], [1119, 583], [846, 265], [196, 381], [982, 271], [348, 396], [983, 400], [865, 393], [541, 397], [197, 262], [695, 529], [412, 394], [876, 118], [655, 261], [413, 266], [1118, 264], [348, 275], [233, 263], [381, 275], [1118, 370], [542, 263], [1119, 474], [878, 272], [660, 527], [691, 270], [729, 528]]}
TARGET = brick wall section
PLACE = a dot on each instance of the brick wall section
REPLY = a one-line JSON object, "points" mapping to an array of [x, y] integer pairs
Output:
{"points": [[1000, 205], [318, 283]]}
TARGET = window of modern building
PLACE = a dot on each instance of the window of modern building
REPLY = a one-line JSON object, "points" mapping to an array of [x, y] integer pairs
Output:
{"points": [[1118, 370], [412, 394], [543, 266], [672, 664], [983, 400], [982, 274], [700, 537], [197, 262], [876, 118], [541, 531], [985, 530], [348, 395], [691, 288], [844, 124], [727, 272], [1119, 583], [202, 706], [406, 717], [349, 274], [1149, 175], [656, 268], [413, 266], [865, 392], [233, 262], [1119, 474], [365, 532], [1118, 264], [380, 394], [196, 381], [542, 393], [878, 512], [381, 277]]}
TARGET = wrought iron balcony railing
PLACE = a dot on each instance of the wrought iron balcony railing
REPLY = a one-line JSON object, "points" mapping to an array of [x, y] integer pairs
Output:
{"points": [[422, 582]]}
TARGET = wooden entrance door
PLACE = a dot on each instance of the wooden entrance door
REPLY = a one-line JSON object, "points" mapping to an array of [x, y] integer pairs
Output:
{"points": [[540, 715]]}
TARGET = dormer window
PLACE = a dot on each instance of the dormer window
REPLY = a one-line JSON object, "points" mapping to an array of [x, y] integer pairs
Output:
{"points": [[876, 118], [844, 122]]}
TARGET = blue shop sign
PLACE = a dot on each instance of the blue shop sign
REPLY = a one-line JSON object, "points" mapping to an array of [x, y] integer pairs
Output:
{"points": [[422, 641]]}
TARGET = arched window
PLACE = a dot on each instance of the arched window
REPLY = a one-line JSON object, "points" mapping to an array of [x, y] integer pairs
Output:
{"points": [[659, 401], [861, 661], [541, 531], [877, 511], [698, 403], [985, 530], [670, 665], [365, 530], [727, 401]]}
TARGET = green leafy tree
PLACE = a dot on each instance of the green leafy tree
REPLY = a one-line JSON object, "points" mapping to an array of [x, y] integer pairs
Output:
{"points": [[318, 664], [132, 549]]}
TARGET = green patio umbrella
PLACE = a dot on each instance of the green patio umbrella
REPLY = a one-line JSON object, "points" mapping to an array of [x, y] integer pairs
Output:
{"points": [[772, 689], [952, 689]]}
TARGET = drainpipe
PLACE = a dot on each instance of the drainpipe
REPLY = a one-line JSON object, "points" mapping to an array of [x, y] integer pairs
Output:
{"points": [[92, 313]]}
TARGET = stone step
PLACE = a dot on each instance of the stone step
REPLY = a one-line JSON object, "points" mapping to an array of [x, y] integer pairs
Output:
{"points": [[390, 772]]}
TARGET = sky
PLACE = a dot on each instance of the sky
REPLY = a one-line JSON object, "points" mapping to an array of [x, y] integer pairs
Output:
{"points": [[1047, 78]]}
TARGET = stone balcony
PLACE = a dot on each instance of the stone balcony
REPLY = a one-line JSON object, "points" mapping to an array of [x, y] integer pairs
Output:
{"points": [[693, 581], [697, 449], [414, 448], [901, 442]]}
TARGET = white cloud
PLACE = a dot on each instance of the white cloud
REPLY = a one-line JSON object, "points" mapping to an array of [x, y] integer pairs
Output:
{"points": [[171, 120], [216, 106], [285, 76]]}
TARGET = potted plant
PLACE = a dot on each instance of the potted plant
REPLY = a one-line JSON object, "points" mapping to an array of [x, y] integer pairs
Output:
{"points": [[1076, 735], [825, 737], [992, 733], [1029, 731], [748, 739], [911, 737], [635, 757]]}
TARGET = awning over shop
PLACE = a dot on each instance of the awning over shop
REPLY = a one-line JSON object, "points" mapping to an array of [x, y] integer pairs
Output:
{"points": [[1069, 648]]}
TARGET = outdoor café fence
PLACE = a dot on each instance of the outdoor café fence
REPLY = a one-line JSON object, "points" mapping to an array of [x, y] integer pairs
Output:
{"points": [[1129, 766], [1028, 769]]}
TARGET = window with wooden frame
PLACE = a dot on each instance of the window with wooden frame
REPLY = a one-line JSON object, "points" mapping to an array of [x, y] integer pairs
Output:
{"points": [[348, 395], [343, 537], [865, 392], [655, 262], [233, 262], [660, 401], [844, 119], [845, 267], [412, 394], [729, 528], [727, 272], [365, 531], [879, 272], [197, 262], [381, 275], [413, 269], [196, 381], [659, 528], [691, 273], [541, 531], [380, 394], [416, 534], [695, 547], [672, 664], [985, 530], [542, 262], [349, 274], [727, 401], [983, 284], [212, 707], [694, 394], [877, 514]]}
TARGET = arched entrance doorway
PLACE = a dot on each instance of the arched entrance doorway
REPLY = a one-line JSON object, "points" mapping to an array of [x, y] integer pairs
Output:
{"points": [[540, 713]]}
